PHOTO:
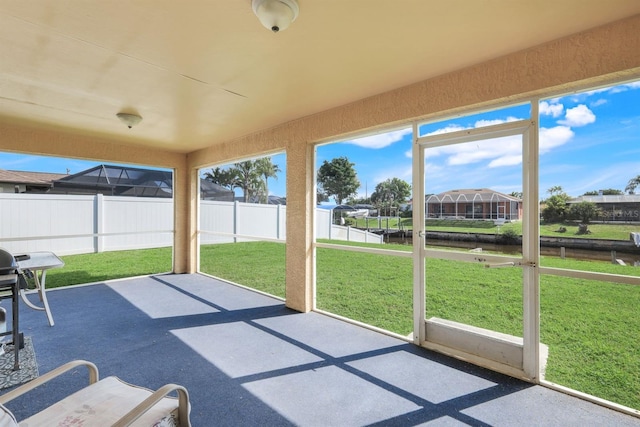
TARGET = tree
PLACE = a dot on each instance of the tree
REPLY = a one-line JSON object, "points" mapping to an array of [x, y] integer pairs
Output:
{"points": [[359, 200], [391, 193], [516, 194], [224, 177], [248, 179], [337, 179], [245, 175], [267, 169], [555, 209], [556, 190], [632, 185], [320, 196], [584, 211]]}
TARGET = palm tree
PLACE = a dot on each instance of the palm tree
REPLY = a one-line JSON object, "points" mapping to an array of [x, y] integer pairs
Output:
{"points": [[267, 169], [248, 178], [556, 189], [224, 177], [632, 185]]}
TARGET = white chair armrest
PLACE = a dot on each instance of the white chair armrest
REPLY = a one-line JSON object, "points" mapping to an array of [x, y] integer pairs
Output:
{"points": [[157, 396], [24, 388]]}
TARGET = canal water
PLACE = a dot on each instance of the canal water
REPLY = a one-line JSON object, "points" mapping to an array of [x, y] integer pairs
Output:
{"points": [[581, 254]]}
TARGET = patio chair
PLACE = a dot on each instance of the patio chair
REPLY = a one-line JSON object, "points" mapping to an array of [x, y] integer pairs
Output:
{"points": [[106, 402]]}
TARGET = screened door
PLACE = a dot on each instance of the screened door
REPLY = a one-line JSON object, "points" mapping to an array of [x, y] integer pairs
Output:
{"points": [[476, 280]]}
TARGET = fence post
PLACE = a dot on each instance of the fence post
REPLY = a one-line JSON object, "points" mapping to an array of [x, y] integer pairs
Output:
{"points": [[277, 222], [98, 222], [235, 221]]}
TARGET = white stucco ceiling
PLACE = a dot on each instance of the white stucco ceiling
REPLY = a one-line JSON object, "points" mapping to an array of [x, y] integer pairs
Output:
{"points": [[202, 72]]}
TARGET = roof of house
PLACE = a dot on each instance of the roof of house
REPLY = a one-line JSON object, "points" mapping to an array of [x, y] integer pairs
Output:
{"points": [[133, 181], [475, 195], [622, 198], [29, 178]]}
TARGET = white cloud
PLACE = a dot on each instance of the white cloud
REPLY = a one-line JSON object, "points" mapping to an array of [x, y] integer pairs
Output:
{"points": [[434, 167], [452, 127], [596, 91], [381, 140], [509, 160], [491, 149], [625, 87], [598, 103], [578, 116], [499, 151], [483, 123], [505, 151], [609, 90], [553, 109], [554, 137]]}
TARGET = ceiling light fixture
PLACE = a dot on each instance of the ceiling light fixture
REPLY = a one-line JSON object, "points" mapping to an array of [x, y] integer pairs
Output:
{"points": [[276, 15], [129, 119]]}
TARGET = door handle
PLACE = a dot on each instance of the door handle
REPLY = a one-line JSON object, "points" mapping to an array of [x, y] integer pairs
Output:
{"points": [[510, 264]]}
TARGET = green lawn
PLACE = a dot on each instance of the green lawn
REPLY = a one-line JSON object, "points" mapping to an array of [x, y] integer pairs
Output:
{"points": [[591, 328], [87, 268], [259, 265]]}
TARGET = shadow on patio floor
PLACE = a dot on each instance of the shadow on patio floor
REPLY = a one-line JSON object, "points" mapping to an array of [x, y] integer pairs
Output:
{"points": [[248, 360]]}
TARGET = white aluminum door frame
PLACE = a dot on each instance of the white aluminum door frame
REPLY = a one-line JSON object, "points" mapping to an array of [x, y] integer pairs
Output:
{"points": [[527, 129]]}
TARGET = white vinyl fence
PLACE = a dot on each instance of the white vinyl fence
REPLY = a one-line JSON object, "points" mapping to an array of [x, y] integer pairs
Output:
{"points": [[67, 224], [220, 221]]}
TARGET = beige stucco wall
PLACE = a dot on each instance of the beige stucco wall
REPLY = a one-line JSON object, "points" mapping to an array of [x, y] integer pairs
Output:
{"points": [[21, 138], [602, 55]]}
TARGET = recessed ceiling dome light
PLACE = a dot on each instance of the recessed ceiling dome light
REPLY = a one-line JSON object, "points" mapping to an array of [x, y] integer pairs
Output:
{"points": [[129, 119], [276, 15]]}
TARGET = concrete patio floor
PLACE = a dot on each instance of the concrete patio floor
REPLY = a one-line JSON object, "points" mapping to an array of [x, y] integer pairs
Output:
{"points": [[247, 360]]}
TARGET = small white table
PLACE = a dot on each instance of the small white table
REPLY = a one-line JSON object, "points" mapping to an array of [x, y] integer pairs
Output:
{"points": [[39, 263]]}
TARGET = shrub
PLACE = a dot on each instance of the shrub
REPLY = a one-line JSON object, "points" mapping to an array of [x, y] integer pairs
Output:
{"points": [[509, 235], [584, 211]]}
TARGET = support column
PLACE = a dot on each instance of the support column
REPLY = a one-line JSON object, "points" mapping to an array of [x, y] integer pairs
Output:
{"points": [[531, 248], [300, 253], [186, 193]]}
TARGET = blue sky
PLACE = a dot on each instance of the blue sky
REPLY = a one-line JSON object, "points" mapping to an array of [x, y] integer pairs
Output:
{"points": [[588, 141]]}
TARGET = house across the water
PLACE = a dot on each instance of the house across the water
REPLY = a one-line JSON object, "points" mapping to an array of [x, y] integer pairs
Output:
{"points": [[482, 203], [623, 207]]}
